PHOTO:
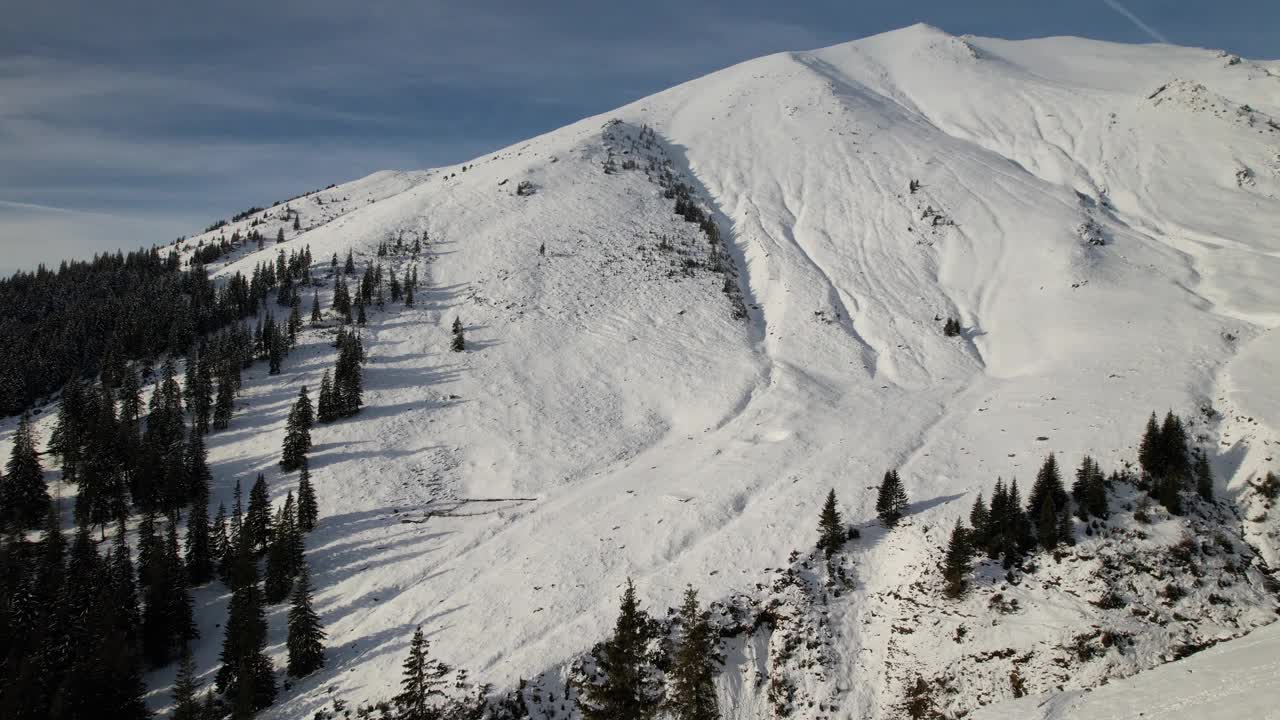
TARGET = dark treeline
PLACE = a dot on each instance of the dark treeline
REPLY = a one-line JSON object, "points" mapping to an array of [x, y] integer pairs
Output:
{"points": [[92, 318]]}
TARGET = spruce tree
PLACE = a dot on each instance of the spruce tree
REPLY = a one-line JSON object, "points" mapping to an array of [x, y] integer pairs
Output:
{"points": [[422, 681], [185, 704], [831, 532], [1173, 444], [315, 308], [199, 545], [628, 689], [220, 544], [459, 338], [223, 405], [691, 691], [257, 522], [325, 410], [891, 500], [282, 560], [246, 675], [308, 511], [24, 493], [955, 568], [979, 518], [1151, 449], [1048, 484], [306, 635], [297, 433], [1047, 524], [1204, 476]]}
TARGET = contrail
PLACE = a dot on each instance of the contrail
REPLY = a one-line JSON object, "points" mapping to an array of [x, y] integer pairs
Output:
{"points": [[1155, 34]]}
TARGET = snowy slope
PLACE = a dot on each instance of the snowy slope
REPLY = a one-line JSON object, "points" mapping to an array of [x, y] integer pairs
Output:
{"points": [[1233, 680], [612, 418]]}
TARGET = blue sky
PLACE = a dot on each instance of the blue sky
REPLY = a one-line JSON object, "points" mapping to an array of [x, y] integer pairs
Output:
{"points": [[131, 122]]}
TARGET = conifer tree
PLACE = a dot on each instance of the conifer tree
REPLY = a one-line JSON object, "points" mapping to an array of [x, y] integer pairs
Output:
{"points": [[955, 568], [1066, 533], [199, 546], [1204, 476], [422, 681], [1151, 450], [831, 532], [257, 522], [408, 296], [628, 689], [223, 405], [197, 473], [297, 433], [282, 561], [185, 704], [1048, 484], [167, 621], [325, 410], [459, 338], [220, 544], [349, 267], [1173, 445], [691, 680], [308, 512], [979, 518], [24, 493], [1019, 521], [1047, 525], [246, 675], [891, 500], [306, 635], [347, 382], [315, 308]]}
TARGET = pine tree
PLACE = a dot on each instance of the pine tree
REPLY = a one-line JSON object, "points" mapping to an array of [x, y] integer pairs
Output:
{"points": [[831, 532], [297, 433], [408, 296], [325, 410], [257, 522], [308, 511], [220, 544], [891, 500], [223, 405], [422, 681], [349, 267], [282, 555], [1204, 476], [1151, 450], [185, 704], [1173, 444], [24, 493], [955, 569], [246, 675], [306, 635], [315, 308], [1048, 484], [459, 338], [1047, 526], [167, 621], [199, 547], [979, 518], [691, 680], [628, 689]]}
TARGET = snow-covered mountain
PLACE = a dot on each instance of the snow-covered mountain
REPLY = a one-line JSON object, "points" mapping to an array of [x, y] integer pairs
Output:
{"points": [[1100, 218]]}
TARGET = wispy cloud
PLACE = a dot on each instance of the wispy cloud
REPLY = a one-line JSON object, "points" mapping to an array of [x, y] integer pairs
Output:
{"points": [[1137, 21]]}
